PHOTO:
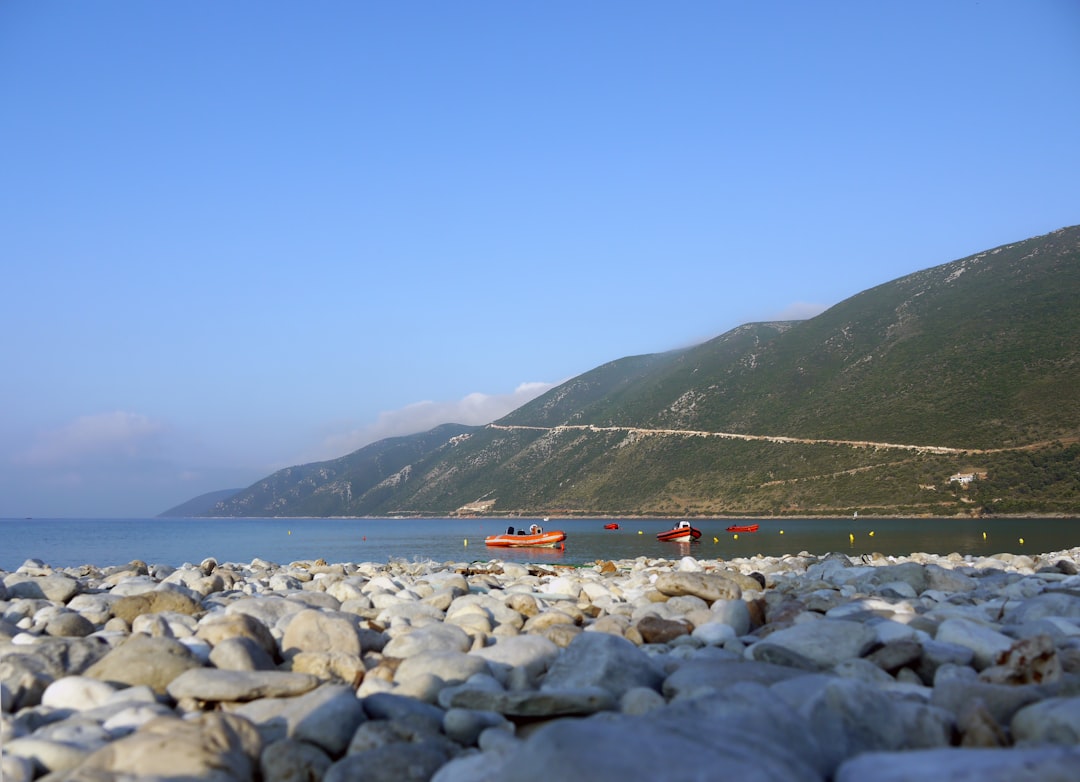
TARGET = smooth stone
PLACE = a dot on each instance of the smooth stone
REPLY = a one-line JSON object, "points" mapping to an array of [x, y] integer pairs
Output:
{"points": [[154, 602], [532, 703], [217, 628], [55, 587], [823, 642], [451, 667], [404, 711], [326, 717], [69, 624], [78, 693], [527, 656], [317, 630], [1019, 764], [1052, 721], [210, 684], [16, 769], [429, 638], [47, 755], [289, 760], [144, 660], [849, 716], [412, 762], [620, 747], [240, 654], [704, 677], [465, 725], [734, 613], [602, 660], [708, 586], [1001, 700], [985, 643], [210, 747]]}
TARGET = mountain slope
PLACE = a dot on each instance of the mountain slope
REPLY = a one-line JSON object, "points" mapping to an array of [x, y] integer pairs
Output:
{"points": [[958, 364]]}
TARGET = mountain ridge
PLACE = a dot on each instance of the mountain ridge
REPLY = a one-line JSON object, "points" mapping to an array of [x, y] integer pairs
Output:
{"points": [[960, 368]]}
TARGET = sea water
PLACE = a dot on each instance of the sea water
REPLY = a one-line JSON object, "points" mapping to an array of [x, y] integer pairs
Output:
{"points": [[73, 542]]}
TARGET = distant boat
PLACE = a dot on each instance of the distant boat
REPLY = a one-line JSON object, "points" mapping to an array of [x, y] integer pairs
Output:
{"points": [[536, 537], [682, 532], [743, 528], [611, 525]]}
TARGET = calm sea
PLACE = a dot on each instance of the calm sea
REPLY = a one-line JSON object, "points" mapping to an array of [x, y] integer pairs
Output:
{"points": [[72, 542]]}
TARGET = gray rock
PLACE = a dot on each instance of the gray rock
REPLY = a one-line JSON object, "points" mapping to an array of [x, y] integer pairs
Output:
{"points": [[605, 661], [78, 693], [451, 667], [533, 704], [16, 769], [412, 762], [141, 659], [465, 725], [620, 748], [850, 716], [1002, 701], [313, 630], [289, 760], [212, 685], [220, 627], [709, 676], [529, 656], [985, 642], [213, 747], [1048, 604], [429, 638], [1052, 721], [824, 642], [1041, 764], [708, 586], [240, 654], [409, 712], [47, 755], [734, 613], [54, 587]]}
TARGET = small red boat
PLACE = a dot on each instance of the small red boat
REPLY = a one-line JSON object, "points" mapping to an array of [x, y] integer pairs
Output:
{"points": [[535, 537], [612, 525], [743, 528], [681, 533]]}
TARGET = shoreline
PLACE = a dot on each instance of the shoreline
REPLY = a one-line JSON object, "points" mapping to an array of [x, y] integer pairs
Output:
{"points": [[826, 665]]}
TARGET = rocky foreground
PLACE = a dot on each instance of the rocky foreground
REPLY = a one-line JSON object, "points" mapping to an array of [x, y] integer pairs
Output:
{"points": [[772, 668]]}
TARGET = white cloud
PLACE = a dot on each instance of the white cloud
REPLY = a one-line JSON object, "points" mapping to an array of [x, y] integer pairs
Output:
{"points": [[800, 310], [110, 436], [475, 409]]}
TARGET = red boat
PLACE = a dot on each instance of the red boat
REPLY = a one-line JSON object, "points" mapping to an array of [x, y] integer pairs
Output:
{"points": [[681, 533], [612, 525], [743, 528], [535, 537]]}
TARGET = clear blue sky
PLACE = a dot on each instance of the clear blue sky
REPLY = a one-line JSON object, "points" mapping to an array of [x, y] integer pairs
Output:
{"points": [[243, 235]]}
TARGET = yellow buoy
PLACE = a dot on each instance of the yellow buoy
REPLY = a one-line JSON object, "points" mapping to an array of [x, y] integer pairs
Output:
{"points": [[639, 532], [1021, 541], [736, 536], [851, 536], [781, 532], [715, 540], [466, 541], [290, 532], [871, 533], [984, 536]]}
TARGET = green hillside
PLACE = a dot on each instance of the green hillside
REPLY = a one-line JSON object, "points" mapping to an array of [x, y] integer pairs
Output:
{"points": [[874, 405]]}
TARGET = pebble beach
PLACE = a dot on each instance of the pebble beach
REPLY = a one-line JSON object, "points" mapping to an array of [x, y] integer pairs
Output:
{"points": [[800, 667]]}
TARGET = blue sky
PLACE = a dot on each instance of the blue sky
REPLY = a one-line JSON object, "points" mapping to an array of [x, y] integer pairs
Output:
{"points": [[240, 236]]}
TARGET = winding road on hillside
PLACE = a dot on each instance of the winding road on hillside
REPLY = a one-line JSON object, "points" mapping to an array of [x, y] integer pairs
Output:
{"points": [[769, 438]]}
